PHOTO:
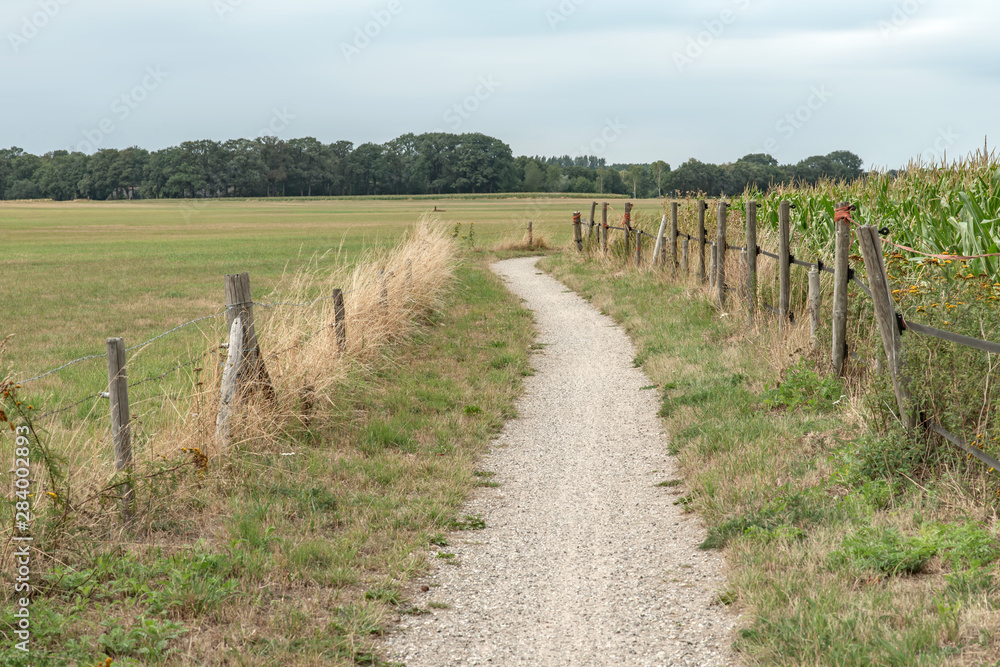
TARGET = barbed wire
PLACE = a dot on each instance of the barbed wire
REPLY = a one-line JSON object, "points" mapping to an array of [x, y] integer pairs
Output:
{"points": [[52, 413]]}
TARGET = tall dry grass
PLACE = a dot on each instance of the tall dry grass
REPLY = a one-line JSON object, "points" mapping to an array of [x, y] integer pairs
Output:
{"points": [[177, 429]]}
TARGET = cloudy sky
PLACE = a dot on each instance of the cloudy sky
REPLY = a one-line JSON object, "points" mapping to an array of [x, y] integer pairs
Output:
{"points": [[630, 80]]}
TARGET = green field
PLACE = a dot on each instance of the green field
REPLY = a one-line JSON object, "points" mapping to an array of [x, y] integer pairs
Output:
{"points": [[76, 273]]}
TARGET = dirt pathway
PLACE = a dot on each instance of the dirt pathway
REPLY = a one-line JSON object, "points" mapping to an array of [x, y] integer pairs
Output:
{"points": [[584, 560]]}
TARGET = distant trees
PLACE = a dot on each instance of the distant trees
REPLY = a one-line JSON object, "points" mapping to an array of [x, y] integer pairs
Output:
{"points": [[431, 163]]}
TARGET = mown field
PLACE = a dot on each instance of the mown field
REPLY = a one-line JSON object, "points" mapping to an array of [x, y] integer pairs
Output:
{"points": [[297, 545]]}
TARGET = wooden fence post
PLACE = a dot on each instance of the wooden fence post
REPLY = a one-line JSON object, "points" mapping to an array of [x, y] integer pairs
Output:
{"points": [[702, 240], [751, 258], [239, 303], [660, 242], [685, 249], [628, 230], [340, 320], [784, 263], [531, 239], [720, 280], [121, 423], [578, 232], [741, 283], [673, 236], [590, 231], [638, 248], [885, 313], [841, 279], [604, 228], [815, 301], [230, 385]]}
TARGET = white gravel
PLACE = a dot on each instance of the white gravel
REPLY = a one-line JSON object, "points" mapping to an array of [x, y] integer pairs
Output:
{"points": [[584, 560]]}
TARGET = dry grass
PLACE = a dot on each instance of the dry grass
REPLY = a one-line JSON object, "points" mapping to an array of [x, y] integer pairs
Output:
{"points": [[300, 350]]}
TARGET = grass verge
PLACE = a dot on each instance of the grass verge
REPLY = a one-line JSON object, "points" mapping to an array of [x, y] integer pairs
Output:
{"points": [[296, 552], [847, 543]]}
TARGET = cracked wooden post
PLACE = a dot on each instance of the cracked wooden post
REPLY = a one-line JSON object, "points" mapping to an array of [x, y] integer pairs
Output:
{"points": [[578, 231], [660, 242], [239, 303], [751, 285], [638, 248], [784, 263], [590, 230], [531, 238], [888, 321], [121, 423], [685, 249], [340, 320], [841, 278], [230, 385]]}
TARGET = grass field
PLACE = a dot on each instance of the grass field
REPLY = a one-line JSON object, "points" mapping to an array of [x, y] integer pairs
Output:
{"points": [[76, 273], [296, 545]]}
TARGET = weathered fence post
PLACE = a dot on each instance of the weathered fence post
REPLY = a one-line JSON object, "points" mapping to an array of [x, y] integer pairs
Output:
{"points": [[815, 301], [841, 278], [751, 258], [660, 242], [239, 303], [888, 320], [673, 237], [604, 228], [702, 240], [784, 263], [121, 423], [531, 238], [230, 385], [713, 271], [578, 231], [685, 249], [590, 232], [628, 230], [638, 248], [720, 280], [340, 320]]}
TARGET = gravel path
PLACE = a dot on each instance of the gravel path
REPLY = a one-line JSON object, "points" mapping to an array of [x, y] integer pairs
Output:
{"points": [[584, 560]]}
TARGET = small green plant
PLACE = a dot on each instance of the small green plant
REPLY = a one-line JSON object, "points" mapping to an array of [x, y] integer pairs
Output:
{"points": [[468, 523], [803, 388]]}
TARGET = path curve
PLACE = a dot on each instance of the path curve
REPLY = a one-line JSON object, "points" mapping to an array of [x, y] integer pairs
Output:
{"points": [[584, 560]]}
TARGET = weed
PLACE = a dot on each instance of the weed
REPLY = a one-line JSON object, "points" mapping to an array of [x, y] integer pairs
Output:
{"points": [[468, 523]]}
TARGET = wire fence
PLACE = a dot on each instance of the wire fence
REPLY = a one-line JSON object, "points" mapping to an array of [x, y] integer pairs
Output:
{"points": [[789, 260]]}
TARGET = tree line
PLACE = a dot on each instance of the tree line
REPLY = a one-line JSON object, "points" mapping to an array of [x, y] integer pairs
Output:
{"points": [[432, 163]]}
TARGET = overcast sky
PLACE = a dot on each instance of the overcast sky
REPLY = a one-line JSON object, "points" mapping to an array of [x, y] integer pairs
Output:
{"points": [[630, 80]]}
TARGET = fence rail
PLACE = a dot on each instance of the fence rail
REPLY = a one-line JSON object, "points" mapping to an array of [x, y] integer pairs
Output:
{"points": [[892, 325]]}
